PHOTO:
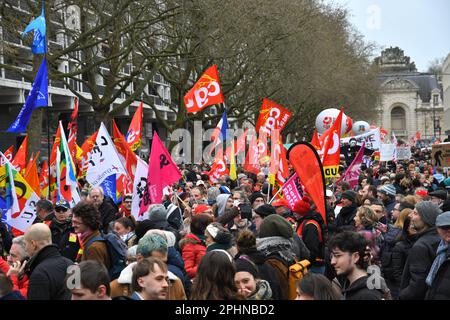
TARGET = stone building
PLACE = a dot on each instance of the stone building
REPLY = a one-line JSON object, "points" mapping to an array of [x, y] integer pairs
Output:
{"points": [[446, 90], [409, 101]]}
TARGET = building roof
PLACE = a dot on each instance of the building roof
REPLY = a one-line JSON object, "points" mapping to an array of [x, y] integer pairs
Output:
{"points": [[426, 82]]}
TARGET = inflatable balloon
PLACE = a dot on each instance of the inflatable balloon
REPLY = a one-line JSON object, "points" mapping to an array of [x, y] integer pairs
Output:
{"points": [[360, 127], [326, 118]]}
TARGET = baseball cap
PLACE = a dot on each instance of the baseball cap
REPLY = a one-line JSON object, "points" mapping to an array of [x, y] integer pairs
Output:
{"points": [[443, 219], [280, 203], [63, 204]]}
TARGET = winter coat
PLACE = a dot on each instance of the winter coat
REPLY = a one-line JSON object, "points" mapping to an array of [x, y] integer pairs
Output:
{"points": [[300, 249], [390, 238], [122, 285], [346, 216], [175, 264], [5, 239], [59, 229], [69, 244], [98, 250], [107, 214], [359, 290], [47, 274], [279, 255], [310, 236], [192, 250], [20, 282], [266, 271], [13, 295], [440, 288], [262, 292], [418, 264]]}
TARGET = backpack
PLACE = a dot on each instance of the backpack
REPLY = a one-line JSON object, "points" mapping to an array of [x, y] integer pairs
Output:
{"points": [[117, 252], [295, 273]]}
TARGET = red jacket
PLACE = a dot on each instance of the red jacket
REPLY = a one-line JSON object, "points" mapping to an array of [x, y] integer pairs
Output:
{"points": [[192, 250], [19, 285]]}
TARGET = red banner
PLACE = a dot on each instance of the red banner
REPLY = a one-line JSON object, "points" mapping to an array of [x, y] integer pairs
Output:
{"points": [[331, 148], [205, 92], [134, 132], [306, 162], [272, 116], [293, 190]]}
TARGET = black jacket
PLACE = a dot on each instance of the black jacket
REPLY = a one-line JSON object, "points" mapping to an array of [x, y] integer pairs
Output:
{"points": [[346, 216], [5, 239], [440, 288], [266, 271], [359, 290], [47, 273], [58, 230], [310, 236], [399, 256], [107, 214], [418, 264]]}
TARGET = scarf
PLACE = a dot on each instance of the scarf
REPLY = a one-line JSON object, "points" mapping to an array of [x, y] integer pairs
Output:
{"points": [[262, 292], [277, 245], [438, 261]]}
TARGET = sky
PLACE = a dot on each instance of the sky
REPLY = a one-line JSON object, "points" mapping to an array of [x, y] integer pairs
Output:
{"points": [[419, 27]]}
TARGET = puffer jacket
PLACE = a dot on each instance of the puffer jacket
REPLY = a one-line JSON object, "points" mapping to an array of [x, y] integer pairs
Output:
{"points": [[192, 250], [418, 264]]}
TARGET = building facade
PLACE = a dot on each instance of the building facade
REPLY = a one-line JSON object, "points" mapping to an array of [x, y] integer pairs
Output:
{"points": [[14, 88], [409, 101], [446, 90]]}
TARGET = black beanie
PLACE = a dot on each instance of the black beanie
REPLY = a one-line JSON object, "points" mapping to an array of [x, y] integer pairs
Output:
{"points": [[350, 195], [254, 196], [265, 210], [243, 264]]}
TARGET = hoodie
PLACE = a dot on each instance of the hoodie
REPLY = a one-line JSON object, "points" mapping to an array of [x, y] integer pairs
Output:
{"points": [[222, 203]]}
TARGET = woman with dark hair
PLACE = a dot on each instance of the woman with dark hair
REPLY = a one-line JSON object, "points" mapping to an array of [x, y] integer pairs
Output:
{"points": [[215, 278], [193, 246], [249, 282], [314, 286], [124, 227]]}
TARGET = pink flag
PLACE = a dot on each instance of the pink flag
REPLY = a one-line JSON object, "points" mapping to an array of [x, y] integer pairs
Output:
{"points": [[293, 190], [162, 172], [351, 175]]}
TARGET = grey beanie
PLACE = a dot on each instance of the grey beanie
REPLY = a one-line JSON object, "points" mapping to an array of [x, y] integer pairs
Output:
{"points": [[428, 211], [157, 213]]}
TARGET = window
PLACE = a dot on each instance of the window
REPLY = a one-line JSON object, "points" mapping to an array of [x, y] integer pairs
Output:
{"points": [[398, 119], [435, 100]]}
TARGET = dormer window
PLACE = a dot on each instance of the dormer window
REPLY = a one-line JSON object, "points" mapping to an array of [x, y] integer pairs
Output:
{"points": [[435, 100]]}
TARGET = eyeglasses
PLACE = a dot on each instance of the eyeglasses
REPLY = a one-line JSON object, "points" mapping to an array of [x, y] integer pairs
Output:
{"points": [[128, 201]]}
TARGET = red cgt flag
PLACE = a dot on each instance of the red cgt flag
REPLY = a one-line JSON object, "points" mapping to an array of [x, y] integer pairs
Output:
{"points": [[20, 160], [134, 132], [331, 148], [205, 92], [272, 116], [218, 168]]}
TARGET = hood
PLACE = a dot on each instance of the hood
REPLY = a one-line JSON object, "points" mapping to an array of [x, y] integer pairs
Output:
{"points": [[359, 284], [127, 274], [221, 203]]}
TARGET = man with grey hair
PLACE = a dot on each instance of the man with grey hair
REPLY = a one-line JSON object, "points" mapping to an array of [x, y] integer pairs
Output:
{"points": [[15, 265], [45, 211], [106, 208], [47, 268], [422, 253]]}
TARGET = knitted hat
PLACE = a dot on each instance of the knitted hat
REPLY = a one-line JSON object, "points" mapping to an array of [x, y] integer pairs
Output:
{"points": [[389, 190], [275, 226], [441, 194], [244, 264], [157, 212], [219, 233], [254, 196], [303, 206], [265, 210], [201, 208], [350, 195], [428, 211]]}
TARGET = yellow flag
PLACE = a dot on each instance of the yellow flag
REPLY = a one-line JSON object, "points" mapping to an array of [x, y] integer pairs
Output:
{"points": [[233, 175]]}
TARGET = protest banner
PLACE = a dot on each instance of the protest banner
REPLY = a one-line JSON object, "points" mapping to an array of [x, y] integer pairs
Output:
{"points": [[440, 155], [293, 190], [387, 152], [403, 153], [371, 139]]}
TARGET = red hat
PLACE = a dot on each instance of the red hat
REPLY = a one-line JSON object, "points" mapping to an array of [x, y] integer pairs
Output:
{"points": [[201, 208], [281, 203], [421, 192], [303, 206]]}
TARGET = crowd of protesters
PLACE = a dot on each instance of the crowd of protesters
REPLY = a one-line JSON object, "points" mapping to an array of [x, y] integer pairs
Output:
{"points": [[388, 238]]}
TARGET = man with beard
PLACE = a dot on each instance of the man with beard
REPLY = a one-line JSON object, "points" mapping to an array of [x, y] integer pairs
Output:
{"points": [[150, 280]]}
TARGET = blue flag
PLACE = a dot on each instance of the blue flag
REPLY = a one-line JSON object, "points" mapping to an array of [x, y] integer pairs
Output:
{"points": [[38, 97], [109, 187], [3, 208], [38, 26]]}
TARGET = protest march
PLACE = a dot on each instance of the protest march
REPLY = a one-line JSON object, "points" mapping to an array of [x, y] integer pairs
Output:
{"points": [[350, 213]]}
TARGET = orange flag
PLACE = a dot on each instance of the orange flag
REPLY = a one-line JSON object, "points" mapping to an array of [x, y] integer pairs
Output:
{"points": [[86, 148], [72, 141], [8, 154], [32, 177], [134, 133], [205, 92], [20, 160], [124, 150], [271, 116], [43, 181], [30, 162], [315, 142]]}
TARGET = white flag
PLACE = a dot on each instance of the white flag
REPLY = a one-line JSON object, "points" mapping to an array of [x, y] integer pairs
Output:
{"points": [[103, 159], [139, 187]]}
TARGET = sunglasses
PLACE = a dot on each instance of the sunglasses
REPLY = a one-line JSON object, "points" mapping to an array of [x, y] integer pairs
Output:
{"points": [[61, 210]]}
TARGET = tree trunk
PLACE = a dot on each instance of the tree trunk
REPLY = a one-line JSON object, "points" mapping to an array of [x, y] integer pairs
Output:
{"points": [[34, 131]]}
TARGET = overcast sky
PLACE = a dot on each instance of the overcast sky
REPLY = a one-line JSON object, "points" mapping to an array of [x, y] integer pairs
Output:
{"points": [[419, 27]]}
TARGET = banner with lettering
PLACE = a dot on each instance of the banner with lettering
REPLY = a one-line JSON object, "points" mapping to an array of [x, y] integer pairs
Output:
{"points": [[371, 139], [292, 190]]}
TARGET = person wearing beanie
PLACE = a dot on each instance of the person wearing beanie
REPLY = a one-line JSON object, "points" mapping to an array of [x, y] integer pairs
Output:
{"points": [[438, 197], [438, 279], [260, 213], [310, 228], [275, 242], [219, 238], [387, 195], [420, 258], [347, 214], [282, 208], [256, 199], [248, 281]]}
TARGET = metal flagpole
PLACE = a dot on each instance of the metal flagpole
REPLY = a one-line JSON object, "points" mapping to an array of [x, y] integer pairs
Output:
{"points": [[48, 150]]}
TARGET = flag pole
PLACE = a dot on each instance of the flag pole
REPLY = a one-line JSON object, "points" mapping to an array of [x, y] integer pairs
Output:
{"points": [[48, 150], [273, 198]]}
